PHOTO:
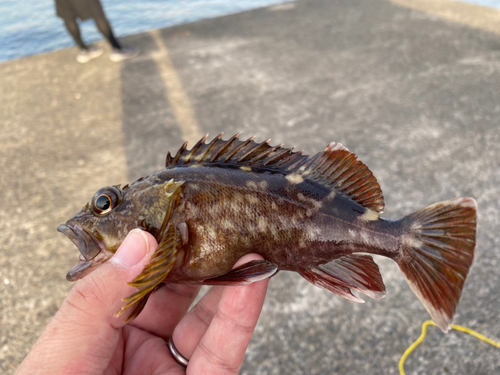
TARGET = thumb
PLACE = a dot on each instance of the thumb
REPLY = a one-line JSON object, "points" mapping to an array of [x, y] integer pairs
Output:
{"points": [[82, 336], [100, 294]]}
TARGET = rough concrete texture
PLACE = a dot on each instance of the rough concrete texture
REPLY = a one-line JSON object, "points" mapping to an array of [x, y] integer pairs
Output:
{"points": [[414, 96]]}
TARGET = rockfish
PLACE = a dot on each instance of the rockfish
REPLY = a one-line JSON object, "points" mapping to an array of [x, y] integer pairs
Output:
{"points": [[313, 215]]}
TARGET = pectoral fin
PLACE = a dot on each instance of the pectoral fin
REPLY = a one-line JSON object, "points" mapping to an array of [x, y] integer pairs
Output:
{"points": [[245, 274], [153, 274]]}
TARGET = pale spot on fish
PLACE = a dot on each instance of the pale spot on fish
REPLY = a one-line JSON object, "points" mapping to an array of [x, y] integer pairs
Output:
{"points": [[416, 227], [211, 231], [216, 209], [237, 197], [369, 215], [316, 204], [410, 241], [263, 224], [228, 224], [331, 195], [294, 178], [249, 210], [251, 199], [313, 231], [263, 185], [246, 169], [192, 208], [274, 231], [235, 206], [297, 217], [365, 235], [251, 185]]}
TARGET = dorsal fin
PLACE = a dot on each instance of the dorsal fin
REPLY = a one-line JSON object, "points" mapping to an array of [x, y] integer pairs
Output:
{"points": [[335, 167], [235, 152], [339, 168]]}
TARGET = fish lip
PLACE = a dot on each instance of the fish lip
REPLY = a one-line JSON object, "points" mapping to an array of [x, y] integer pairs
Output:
{"points": [[85, 242], [77, 272], [88, 246]]}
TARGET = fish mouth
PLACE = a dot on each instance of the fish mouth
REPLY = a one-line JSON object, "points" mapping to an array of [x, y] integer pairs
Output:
{"points": [[89, 248]]}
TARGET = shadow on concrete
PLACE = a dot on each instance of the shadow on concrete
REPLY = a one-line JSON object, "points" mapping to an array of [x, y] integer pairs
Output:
{"points": [[149, 127]]}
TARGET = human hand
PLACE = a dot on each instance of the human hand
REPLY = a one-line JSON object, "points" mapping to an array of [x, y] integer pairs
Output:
{"points": [[84, 337]]}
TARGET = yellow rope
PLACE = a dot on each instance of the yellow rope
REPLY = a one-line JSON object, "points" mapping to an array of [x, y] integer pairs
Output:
{"points": [[424, 332]]}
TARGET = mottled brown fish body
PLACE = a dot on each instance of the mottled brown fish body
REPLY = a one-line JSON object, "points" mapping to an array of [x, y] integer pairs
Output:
{"points": [[313, 215], [292, 222]]}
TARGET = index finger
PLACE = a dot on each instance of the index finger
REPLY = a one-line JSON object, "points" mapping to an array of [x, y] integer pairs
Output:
{"points": [[165, 308], [223, 346]]}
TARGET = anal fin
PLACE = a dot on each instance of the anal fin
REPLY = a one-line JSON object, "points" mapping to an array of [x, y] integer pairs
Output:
{"points": [[245, 274], [323, 280], [358, 272]]}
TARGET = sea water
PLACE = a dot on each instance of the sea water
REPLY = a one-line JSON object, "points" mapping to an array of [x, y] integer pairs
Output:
{"points": [[28, 27]]}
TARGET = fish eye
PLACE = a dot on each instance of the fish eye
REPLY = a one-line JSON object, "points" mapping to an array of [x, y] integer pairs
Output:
{"points": [[106, 200], [103, 202]]}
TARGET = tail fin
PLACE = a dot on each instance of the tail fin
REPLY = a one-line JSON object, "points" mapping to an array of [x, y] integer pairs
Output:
{"points": [[437, 252]]}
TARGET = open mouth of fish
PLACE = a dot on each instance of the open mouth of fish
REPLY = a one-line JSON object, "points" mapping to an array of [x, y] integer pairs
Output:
{"points": [[89, 249]]}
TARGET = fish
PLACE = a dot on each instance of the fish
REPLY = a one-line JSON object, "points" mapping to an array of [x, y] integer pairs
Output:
{"points": [[315, 215]]}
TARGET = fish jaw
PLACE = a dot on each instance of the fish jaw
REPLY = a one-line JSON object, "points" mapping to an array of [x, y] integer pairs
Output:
{"points": [[92, 252]]}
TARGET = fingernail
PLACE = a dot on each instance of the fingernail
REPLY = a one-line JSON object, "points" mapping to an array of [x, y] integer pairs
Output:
{"points": [[132, 250]]}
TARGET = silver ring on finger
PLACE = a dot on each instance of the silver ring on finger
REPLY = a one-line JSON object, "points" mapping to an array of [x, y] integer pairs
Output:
{"points": [[175, 353]]}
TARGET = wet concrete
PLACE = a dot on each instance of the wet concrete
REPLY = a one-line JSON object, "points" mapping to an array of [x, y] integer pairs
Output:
{"points": [[413, 95]]}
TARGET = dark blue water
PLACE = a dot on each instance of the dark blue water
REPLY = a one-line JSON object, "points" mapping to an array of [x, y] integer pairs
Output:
{"points": [[29, 27], [487, 3]]}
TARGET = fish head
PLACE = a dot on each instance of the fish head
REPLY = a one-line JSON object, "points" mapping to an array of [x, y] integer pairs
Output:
{"points": [[100, 227]]}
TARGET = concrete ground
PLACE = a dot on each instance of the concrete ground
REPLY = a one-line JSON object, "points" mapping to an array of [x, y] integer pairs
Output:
{"points": [[413, 92]]}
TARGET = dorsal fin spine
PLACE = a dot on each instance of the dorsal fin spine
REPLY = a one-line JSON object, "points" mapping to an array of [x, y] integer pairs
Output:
{"points": [[318, 167], [249, 154], [209, 147], [264, 154], [235, 151], [273, 160], [168, 159], [290, 160], [179, 153], [226, 147], [195, 148]]}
